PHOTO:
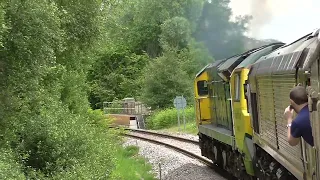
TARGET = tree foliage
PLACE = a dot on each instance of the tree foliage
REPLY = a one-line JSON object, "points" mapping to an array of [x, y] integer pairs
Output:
{"points": [[175, 33], [45, 127], [165, 78], [144, 20], [58, 57], [187, 34], [115, 75]]}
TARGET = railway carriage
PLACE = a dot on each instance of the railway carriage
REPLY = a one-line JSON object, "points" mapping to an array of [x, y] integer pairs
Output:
{"points": [[270, 81], [246, 96]]}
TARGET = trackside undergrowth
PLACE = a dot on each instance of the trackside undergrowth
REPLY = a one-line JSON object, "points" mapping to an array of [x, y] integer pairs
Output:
{"points": [[167, 120], [191, 128], [129, 165]]}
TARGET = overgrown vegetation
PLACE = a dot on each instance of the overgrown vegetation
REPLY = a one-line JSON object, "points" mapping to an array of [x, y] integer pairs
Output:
{"points": [[191, 128], [169, 118], [46, 130], [131, 166]]}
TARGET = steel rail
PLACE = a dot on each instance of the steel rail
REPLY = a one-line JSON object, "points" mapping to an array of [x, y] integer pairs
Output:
{"points": [[161, 135], [205, 161], [165, 135], [190, 154]]}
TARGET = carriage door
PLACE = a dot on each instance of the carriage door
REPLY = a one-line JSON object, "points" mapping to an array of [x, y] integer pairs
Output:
{"points": [[313, 158]]}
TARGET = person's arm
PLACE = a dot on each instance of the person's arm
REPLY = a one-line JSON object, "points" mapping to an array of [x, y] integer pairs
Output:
{"points": [[294, 133]]}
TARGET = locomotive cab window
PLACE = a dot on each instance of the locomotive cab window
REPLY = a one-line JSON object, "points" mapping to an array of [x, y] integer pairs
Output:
{"points": [[202, 88], [237, 87]]}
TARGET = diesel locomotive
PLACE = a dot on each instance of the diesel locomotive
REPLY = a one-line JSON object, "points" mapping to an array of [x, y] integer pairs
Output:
{"points": [[239, 103]]}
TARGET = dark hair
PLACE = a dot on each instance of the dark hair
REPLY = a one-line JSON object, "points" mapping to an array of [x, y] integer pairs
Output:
{"points": [[299, 95]]}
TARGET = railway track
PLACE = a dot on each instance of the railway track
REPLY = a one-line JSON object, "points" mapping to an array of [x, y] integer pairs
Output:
{"points": [[141, 131], [181, 149], [179, 144]]}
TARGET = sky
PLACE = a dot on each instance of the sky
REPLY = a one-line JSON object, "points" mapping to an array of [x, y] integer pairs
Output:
{"points": [[283, 20]]}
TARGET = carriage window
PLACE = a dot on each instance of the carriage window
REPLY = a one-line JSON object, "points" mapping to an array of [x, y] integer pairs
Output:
{"points": [[254, 112], [246, 93], [237, 87], [202, 88]]}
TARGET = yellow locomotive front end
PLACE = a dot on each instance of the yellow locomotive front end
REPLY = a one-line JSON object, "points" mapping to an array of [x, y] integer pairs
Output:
{"points": [[242, 124], [202, 99]]}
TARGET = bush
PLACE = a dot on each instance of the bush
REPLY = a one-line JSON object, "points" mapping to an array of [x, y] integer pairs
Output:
{"points": [[168, 117], [98, 117], [9, 167], [62, 145], [45, 56], [46, 132]]}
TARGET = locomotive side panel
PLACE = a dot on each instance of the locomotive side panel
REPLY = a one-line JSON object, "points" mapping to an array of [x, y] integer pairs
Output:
{"points": [[266, 110], [314, 106], [213, 90], [282, 86], [222, 105], [279, 72]]}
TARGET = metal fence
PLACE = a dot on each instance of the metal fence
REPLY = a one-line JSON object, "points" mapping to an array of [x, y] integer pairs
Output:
{"points": [[126, 106]]}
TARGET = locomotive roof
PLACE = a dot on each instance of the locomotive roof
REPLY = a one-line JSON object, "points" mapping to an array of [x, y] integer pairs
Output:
{"points": [[226, 62], [226, 68], [286, 59], [252, 58], [240, 57], [216, 63], [202, 70], [208, 66]]}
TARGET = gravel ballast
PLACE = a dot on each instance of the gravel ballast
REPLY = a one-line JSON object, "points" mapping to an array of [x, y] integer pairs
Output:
{"points": [[190, 147], [174, 165]]}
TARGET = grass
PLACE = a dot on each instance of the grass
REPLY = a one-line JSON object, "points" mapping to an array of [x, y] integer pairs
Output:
{"points": [[166, 120], [191, 128], [130, 166]]}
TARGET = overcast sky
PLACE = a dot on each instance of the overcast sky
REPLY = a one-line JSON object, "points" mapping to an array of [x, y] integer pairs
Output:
{"points": [[284, 20]]}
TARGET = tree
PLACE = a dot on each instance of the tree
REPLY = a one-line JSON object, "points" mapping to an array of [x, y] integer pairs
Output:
{"points": [[2, 25], [164, 78], [46, 51], [141, 28], [115, 75], [175, 33], [146, 17]]}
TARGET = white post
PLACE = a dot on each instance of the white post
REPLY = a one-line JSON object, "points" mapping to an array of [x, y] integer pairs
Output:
{"points": [[178, 119], [184, 117], [160, 171]]}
